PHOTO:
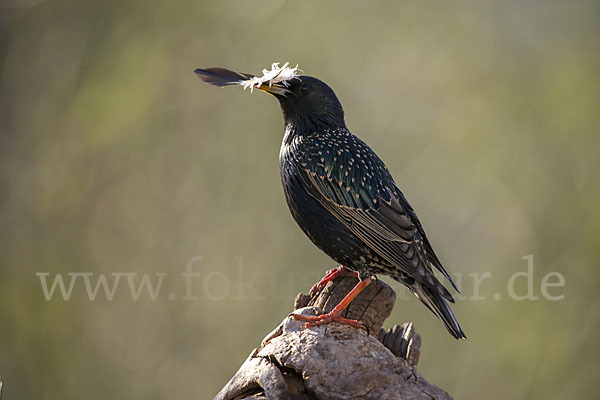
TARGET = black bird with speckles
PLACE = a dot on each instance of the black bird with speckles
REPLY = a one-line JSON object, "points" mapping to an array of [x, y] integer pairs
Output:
{"points": [[345, 200]]}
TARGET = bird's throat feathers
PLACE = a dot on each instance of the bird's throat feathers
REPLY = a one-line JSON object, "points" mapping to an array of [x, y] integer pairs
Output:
{"points": [[301, 121]]}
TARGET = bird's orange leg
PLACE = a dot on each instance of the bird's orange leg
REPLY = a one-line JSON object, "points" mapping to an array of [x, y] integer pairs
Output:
{"points": [[331, 275], [335, 314]]}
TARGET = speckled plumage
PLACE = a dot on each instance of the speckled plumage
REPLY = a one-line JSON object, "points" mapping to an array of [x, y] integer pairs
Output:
{"points": [[345, 200]]}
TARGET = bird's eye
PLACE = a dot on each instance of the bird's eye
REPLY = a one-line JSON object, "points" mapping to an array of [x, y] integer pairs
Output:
{"points": [[303, 89]]}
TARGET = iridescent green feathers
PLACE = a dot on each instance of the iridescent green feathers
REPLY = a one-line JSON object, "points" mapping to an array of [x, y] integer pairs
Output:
{"points": [[348, 171], [353, 184]]}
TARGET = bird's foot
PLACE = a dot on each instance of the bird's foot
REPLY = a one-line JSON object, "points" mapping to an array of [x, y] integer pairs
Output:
{"points": [[326, 319], [331, 275]]}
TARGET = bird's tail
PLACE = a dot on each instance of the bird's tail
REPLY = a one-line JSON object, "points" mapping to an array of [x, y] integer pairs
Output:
{"points": [[438, 305]]}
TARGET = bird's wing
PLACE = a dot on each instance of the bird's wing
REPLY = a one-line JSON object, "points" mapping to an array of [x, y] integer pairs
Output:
{"points": [[432, 257], [352, 183]]}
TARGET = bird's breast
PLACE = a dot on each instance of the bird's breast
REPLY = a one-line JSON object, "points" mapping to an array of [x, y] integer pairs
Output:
{"points": [[321, 227]]}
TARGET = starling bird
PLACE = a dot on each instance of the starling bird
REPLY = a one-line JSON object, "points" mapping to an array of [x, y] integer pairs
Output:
{"points": [[343, 197]]}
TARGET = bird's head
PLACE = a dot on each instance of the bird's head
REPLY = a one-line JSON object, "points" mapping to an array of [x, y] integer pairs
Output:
{"points": [[307, 103]]}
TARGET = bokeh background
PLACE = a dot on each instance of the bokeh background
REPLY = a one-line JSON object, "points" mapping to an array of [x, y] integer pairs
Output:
{"points": [[115, 158]]}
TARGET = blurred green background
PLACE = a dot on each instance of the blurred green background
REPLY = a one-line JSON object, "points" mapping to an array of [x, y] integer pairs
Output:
{"points": [[115, 158]]}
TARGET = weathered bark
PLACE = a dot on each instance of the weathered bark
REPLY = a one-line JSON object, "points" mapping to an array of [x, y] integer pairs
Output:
{"points": [[336, 361]]}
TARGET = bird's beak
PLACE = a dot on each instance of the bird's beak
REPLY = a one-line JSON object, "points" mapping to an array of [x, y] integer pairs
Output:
{"points": [[225, 77], [276, 89]]}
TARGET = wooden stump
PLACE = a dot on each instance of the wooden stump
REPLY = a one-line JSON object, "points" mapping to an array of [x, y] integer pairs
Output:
{"points": [[336, 361]]}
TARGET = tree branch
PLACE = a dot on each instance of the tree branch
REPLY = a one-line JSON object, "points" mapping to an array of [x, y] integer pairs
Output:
{"points": [[336, 361]]}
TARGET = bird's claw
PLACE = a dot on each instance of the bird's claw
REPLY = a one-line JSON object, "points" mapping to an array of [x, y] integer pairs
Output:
{"points": [[311, 321], [330, 276]]}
